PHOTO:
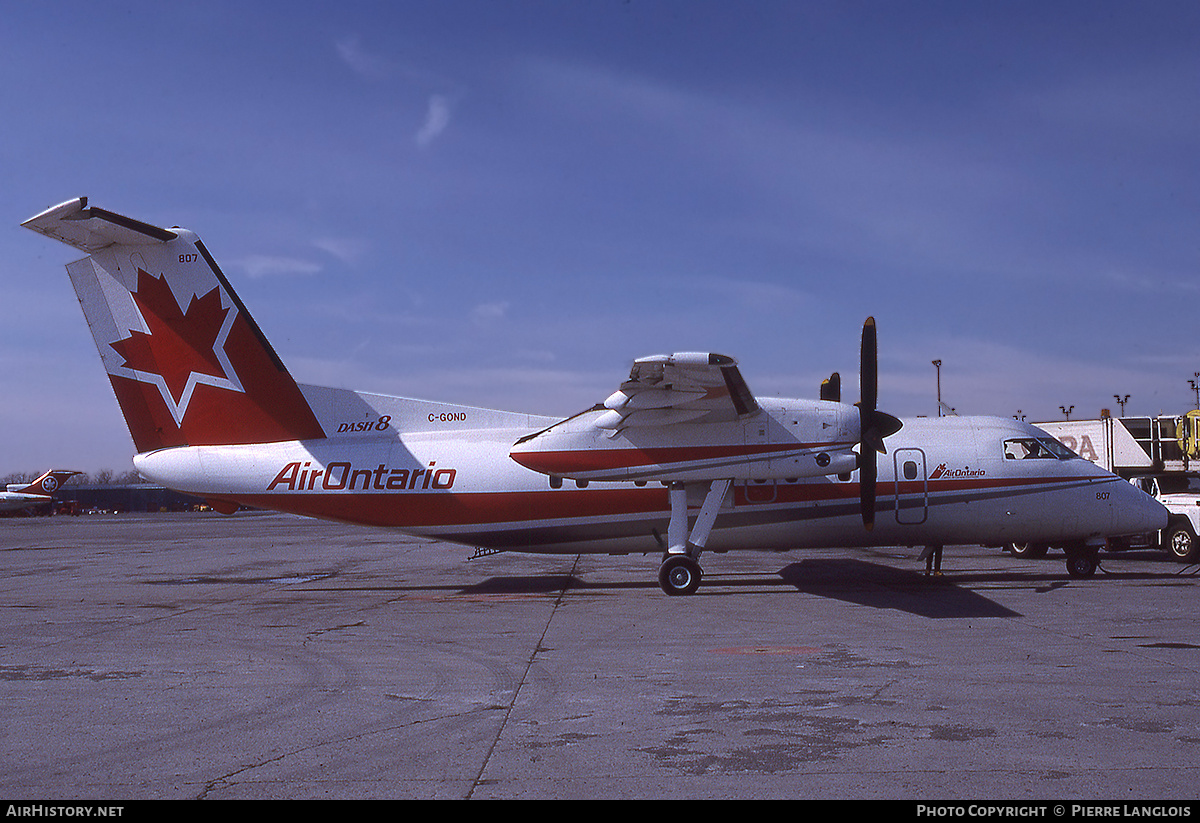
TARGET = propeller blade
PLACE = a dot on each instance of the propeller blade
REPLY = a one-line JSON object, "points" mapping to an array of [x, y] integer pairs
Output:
{"points": [[869, 369], [874, 425], [866, 488]]}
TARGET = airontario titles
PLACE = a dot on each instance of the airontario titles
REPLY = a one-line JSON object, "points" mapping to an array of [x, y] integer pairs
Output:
{"points": [[339, 476]]}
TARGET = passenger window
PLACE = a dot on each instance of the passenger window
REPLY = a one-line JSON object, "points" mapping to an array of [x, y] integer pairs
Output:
{"points": [[910, 470]]}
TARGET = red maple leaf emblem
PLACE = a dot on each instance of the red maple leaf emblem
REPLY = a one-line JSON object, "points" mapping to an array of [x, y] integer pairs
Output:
{"points": [[178, 344]]}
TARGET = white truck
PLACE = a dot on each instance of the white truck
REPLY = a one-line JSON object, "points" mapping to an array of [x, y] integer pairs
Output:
{"points": [[1161, 455]]}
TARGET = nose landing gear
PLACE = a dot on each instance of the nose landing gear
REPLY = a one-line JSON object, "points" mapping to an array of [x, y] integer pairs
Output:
{"points": [[680, 571], [679, 574], [1082, 561]]}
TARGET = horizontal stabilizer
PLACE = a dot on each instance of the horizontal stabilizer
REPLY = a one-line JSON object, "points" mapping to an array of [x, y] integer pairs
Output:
{"points": [[91, 229]]}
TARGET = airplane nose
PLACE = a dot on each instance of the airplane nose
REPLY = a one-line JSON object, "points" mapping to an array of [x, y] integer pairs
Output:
{"points": [[1135, 512]]}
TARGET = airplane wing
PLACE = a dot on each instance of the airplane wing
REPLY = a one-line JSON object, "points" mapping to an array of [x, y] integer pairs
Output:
{"points": [[692, 387], [681, 417]]}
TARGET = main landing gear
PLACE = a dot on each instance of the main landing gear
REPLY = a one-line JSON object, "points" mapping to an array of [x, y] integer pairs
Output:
{"points": [[1082, 558], [680, 572]]}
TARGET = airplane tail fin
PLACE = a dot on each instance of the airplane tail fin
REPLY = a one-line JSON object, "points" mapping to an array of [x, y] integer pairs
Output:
{"points": [[47, 484], [186, 360]]}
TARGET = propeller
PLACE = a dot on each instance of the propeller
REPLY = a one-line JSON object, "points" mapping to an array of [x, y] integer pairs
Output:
{"points": [[874, 425]]}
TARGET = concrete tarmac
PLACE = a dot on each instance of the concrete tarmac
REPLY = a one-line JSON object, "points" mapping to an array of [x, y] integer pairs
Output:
{"points": [[267, 656]]}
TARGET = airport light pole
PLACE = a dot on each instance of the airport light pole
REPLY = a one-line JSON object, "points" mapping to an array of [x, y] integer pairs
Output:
{"points": [[1196, 388], [937, 364], [1067, 411], [1121, 401]]}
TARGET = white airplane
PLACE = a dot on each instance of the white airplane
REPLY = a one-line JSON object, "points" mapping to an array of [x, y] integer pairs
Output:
{"points": [[213, 412], [39, 492]]}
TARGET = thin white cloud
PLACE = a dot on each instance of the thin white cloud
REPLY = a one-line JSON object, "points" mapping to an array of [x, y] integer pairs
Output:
{"points": [[262, 265], [490, 311], [346, 250], [749, 293], [437, 118], [365, 64], [375, 67]]}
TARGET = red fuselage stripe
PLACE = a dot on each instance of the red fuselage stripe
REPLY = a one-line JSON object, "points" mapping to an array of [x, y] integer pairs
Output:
{"points": [[418, 510]]}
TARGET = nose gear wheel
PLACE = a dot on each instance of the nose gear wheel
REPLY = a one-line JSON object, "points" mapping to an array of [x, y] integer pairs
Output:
{"points": [[679, 575]]}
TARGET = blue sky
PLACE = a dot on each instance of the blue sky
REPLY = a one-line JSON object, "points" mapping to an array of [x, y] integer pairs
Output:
{"points": [[504, 203]]}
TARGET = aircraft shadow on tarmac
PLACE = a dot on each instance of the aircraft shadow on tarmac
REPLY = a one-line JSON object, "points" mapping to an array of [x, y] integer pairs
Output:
{"points": [[528, 584], [860, 582], [885, 587], [853, 581]]}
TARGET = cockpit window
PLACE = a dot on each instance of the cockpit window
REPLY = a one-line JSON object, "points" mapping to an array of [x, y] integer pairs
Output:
{"points": [[1036, 448]]}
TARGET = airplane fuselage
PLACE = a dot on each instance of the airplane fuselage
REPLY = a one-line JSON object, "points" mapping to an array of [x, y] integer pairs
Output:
{"points": [[433, 470], [14, 501]]}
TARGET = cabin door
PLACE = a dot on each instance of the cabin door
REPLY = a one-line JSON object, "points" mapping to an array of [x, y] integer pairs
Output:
{"points": [[912, 486]]}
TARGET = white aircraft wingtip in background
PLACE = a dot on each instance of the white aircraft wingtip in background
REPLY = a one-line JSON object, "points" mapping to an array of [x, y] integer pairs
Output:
{"points": [[681, 458]]}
